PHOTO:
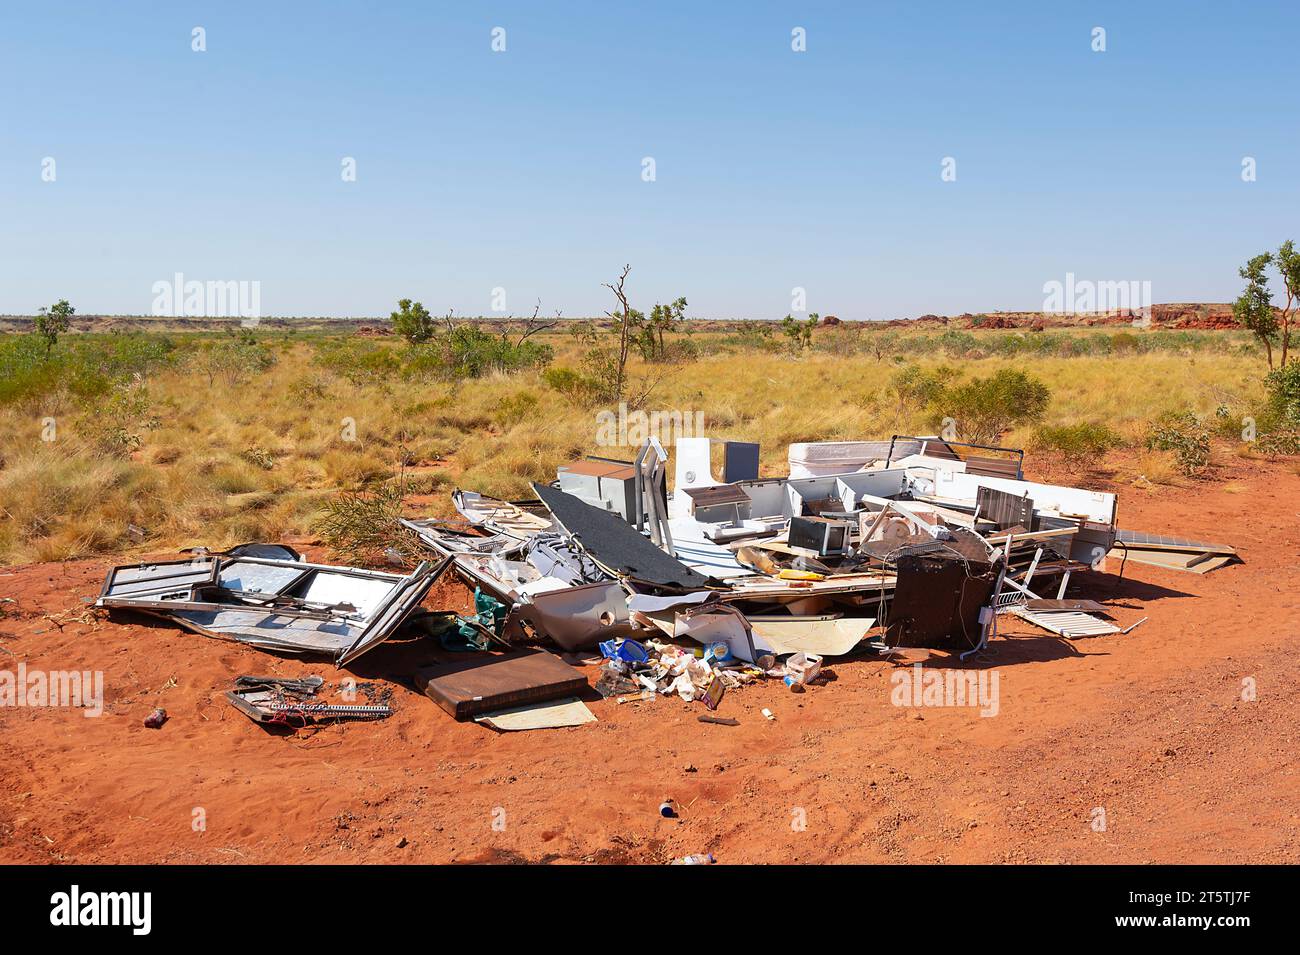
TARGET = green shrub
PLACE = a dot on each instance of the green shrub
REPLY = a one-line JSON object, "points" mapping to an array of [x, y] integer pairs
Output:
{"points": [[308, 389], [752, 335], [24, 371], [234, 357], [984, 408], [570, 383], [471, 352], [1283, 389], [358, 360], [1185, 436], [467, 351], [86, 366], [917, 387], [1077, 442], [1282, 441], [362, 528], [1124, 342], [958, 344], [1278, 422], [516, 408], [121, 421], [413, 322]]}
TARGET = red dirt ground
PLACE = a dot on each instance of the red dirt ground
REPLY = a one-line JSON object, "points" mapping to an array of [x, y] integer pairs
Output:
{"points": [[1149, 726]]}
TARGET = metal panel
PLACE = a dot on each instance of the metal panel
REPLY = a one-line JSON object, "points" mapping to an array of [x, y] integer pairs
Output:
{"points": [[161, 578], [398, 606], [739, 461], [1067, 624], [257, 578], [1004, 508], [1141, 539]]}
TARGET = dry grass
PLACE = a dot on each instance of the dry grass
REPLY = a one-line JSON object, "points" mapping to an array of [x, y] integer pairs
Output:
{"points": [[1159, 467], [259, 460]]}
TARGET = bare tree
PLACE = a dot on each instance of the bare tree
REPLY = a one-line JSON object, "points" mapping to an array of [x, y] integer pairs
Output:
{"points": [[533, 326], [624, 319]]}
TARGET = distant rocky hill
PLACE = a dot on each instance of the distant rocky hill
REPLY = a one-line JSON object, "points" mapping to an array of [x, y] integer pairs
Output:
{"points": [[1183, 315]]}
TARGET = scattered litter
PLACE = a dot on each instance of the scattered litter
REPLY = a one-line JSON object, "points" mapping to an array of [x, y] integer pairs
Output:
{"points": [[156, 719], [718, 720], [636, 697], [803, 668], [768, 713]]}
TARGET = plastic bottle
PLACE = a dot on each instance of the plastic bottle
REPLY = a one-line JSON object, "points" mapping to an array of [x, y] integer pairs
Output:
{"points": [[699, 858]]}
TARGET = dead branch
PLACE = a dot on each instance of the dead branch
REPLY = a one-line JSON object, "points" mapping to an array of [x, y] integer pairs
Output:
{"points": [[533, 326]]}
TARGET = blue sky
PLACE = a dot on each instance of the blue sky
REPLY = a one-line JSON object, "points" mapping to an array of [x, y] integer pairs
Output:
{"points": [[522, 169]]}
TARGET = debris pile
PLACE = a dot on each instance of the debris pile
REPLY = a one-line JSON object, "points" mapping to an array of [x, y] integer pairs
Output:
{"points": [[867, 547]]}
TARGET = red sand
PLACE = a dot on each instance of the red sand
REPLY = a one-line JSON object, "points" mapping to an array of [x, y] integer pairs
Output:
{"points": [[1149, 726]]}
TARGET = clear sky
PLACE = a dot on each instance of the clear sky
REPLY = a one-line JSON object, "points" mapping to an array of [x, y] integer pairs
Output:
{"points": [[523, 169]]}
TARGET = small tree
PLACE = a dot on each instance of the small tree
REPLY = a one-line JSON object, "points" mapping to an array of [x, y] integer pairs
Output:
{"points": [[800, 333], [663, 318], [1253, 309], [1288, 264], [413, 322], [626, 319], [531, 327], [881, 344], [52, 321]]}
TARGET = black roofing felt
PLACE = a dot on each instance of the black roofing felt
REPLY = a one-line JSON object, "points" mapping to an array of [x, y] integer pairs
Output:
{"points": [[616, 544]]}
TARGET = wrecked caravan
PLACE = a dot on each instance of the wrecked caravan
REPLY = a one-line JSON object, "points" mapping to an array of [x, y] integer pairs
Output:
{"points": [[280, 604]]}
